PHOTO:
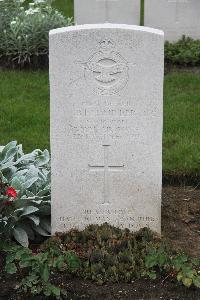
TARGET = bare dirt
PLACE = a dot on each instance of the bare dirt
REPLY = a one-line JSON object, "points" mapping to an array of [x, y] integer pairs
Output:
{"points": [[181, 218]]}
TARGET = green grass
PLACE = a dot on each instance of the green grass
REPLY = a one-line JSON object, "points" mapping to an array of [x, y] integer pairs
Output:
{"points": [[65, 6], [24, 102], [181, 151]]}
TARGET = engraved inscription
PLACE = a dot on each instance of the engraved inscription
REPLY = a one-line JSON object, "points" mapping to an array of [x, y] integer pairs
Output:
{"points": [[106, 71], [124, 218], [106, 167]]}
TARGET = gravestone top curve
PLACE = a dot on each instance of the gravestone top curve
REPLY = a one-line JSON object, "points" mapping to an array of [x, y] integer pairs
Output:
{"points": [[106, 25]]}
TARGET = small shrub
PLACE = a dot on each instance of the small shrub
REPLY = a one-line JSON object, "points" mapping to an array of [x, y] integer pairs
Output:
{"points": [[24, 32], [185, 52], [26, 214]]}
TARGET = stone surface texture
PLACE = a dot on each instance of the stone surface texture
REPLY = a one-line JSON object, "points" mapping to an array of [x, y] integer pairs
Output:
{"points": [[112, 11], [106, 85], [175, 17]]}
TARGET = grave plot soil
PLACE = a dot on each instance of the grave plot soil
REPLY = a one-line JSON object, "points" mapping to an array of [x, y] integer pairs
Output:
{"points": [[180, 223], [181, 218]]}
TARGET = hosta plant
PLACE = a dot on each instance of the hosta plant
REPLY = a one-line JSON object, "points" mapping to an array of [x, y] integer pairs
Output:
{"points": [[27, 214]]}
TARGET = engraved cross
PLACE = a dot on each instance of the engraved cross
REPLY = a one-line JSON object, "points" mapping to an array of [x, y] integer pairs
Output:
{"points": [[106, 168]]}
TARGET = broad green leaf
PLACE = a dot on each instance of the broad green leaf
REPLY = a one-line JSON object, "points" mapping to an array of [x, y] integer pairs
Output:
{"points": [[12, 170], [56, 291], [45, 223], [72, 260], [44, 191], [58, 262], [2, 177], [151, 261], [21, 236], [20, 173], [16, 183], [42, 159], [45, 210], [196, 281], [45, 273], [29, 182], [30, 194], [10, 268], [32, 173], [187, 282], [6, 165], [152, 275], [29, 210], [35, 219], [180, 276], [1, 149], [28, 228], [41, 231], [38, 202], [18, 210], [10, 258], [5, 152]]}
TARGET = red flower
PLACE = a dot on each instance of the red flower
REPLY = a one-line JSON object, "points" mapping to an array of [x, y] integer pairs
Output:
{"points": [[11, 192]]}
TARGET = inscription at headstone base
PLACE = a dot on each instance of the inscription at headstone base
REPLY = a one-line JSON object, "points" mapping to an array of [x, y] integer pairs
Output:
{"points": [[112, 11], [106, 85], [175, 17]]}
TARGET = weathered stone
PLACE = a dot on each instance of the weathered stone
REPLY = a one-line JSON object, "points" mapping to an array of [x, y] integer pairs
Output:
{"points": [[175, 17], [106, 126], [112, 11]]}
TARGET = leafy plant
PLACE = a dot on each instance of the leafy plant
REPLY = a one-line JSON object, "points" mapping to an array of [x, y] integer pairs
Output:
{"points": [[176, 265], [99, 253], [106, 253], [185, 52], [24, 32], [34, 269], [29, 174]]}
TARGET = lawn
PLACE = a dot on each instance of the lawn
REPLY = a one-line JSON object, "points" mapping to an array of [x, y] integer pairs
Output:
{"points": [[181, 151], [65, 6], [24, 101]]}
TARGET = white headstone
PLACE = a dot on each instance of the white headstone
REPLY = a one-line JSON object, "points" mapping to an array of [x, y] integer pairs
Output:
{"points": [[175, 17], [106, 126], [112, 11]]}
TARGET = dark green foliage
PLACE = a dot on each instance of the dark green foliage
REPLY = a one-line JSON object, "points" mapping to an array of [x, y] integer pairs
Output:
{"points": [[185, 52], [177, 265], [34, 269], [99, 253], [107, 253]]}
